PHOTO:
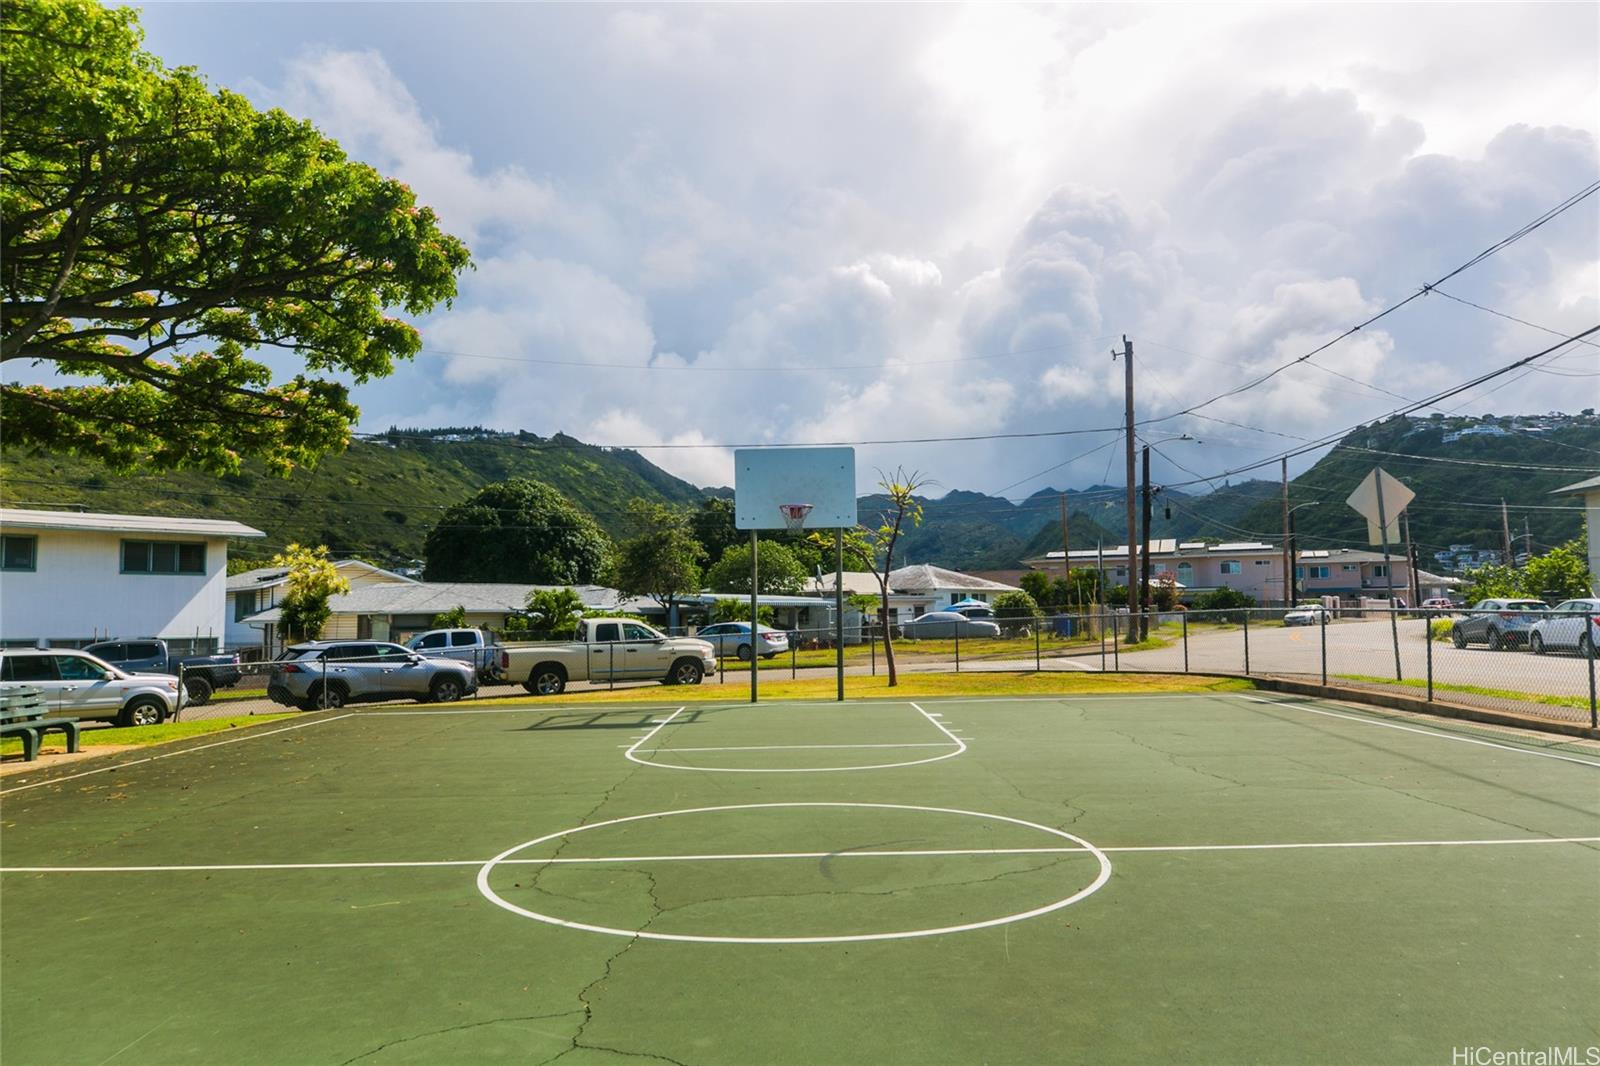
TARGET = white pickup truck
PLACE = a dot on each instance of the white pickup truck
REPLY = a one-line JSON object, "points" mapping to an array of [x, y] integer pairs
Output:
{"points": [[607, 649]]}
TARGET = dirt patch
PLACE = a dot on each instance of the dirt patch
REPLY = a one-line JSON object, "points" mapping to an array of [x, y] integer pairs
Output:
{"points": [[14, 764]]}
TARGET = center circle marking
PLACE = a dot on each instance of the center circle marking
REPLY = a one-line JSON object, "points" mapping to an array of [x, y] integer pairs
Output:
{"points": [[906, 934]]}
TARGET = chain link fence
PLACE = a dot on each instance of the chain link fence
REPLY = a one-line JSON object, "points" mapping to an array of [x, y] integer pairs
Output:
{"points": [[1540, 664]]}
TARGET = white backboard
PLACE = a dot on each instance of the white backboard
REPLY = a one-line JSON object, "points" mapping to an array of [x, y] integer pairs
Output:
{"points": [[766, 478]]}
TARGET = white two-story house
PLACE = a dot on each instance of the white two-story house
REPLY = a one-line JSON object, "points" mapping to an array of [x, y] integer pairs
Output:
{"points": [[71, 578]]}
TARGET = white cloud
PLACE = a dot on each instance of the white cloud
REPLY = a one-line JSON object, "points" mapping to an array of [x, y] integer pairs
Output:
{"points": [[756, 187]]}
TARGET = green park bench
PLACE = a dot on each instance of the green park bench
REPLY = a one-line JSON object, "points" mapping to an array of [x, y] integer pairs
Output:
{"points": [[22, 713]]}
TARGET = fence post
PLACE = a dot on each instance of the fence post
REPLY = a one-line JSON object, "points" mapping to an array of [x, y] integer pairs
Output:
{"points": [[794, 657], [872, 649], [1322, 631], [1247, 642], [183, 695], [1116, 657], [1427, 635], [1184, 617], [1036, 628], [958, 648], [611, 673], [1594, 721], [324, 693], [1101, 620]]}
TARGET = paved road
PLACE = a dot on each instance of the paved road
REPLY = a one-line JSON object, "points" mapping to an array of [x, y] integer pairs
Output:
{"points": [[1355, 648]]}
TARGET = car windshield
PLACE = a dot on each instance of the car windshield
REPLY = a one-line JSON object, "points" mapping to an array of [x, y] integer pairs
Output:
{"points": [[1525, 605]]}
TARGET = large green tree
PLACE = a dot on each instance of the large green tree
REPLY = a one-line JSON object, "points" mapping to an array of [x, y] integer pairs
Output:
{"points": [[663, 560], [518, 530], [158, 232], [778, 571]]}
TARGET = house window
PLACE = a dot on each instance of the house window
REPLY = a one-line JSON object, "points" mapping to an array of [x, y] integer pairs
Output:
{"points": [[1263, 562], [1161, 568], [1317, 572], [244, 605], [1230, 567], [19, 553], [1380, 570], [1348, 567], [163, 557], [1186, 573]]}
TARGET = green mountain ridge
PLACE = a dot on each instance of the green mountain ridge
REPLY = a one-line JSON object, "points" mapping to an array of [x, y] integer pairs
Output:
{"points": [[378, 499]]}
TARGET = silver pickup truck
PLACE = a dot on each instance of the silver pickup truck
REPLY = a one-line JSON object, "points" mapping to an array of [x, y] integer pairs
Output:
{"points": [[607, 649], [475, 647]]}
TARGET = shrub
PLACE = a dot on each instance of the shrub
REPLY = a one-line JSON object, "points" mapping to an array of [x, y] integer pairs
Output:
{"points": [[1440, 628], [1224, 605]]}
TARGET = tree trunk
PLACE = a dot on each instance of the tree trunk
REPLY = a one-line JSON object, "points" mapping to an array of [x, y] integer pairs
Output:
{"points": [[888, 643]]}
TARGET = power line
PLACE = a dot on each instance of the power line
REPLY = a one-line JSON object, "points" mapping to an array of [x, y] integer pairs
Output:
{"points": [[1427, 402], [1504, 242]]}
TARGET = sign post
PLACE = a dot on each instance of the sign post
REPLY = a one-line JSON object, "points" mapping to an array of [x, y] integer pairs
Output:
{"points": [[1381, 499]]}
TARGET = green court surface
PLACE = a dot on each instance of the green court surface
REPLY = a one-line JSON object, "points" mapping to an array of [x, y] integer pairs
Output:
{"points": [[1199, 878]]}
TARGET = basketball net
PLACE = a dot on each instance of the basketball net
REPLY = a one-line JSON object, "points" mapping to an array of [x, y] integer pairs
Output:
{"points": [[794, 515]]}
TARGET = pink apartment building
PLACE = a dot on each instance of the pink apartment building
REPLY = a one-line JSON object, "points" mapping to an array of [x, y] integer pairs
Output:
{"points": [[1256, 569]]}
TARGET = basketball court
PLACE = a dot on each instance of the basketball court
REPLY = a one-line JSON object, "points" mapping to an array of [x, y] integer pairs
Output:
{"points": [[1217, 877]]}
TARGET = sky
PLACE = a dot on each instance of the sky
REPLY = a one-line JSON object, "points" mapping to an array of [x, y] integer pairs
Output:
{"points": [[755, 224]]}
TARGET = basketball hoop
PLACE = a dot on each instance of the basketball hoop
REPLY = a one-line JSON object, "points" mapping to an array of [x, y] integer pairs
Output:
{"points": [[794, 515]]}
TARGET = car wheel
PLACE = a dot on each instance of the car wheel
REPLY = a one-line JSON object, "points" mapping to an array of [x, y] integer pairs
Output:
{"points": [[744, 653], [145, 710], [1496, 641], [686, 672], [547, 681], [1536, 644], [445, 689], [330, 698], [1458, 638], [198, 690], [1586, 646]]}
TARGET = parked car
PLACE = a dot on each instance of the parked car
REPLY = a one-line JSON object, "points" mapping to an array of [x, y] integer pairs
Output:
{"points": [[972, 609], [332, 673], [1307, 614], [1499, 623], [202, 674], [608, 649], [1574, 624], [946, 624], [78, 685], [733, 638], [1439, 603], [477, 648]]}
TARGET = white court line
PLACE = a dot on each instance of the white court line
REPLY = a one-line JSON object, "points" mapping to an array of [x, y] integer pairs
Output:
{"points": [[830, 855], [251, 735], [653, 732], [959, 746], [785, 747], [1424, 732]]}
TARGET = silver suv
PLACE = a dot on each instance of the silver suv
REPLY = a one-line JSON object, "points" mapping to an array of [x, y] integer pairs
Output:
{"points": [[75, 684], [332, 673]]}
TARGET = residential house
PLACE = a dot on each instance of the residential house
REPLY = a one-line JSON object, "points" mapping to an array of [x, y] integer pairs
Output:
{"points": [[916, 590], [1589, 492], [398, 610], [1255, 569], [71, 578], [253, 591]]}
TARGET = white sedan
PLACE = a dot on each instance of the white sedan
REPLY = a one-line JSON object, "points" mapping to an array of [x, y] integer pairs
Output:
{"points": [[1574, 624], [1307, 614]]}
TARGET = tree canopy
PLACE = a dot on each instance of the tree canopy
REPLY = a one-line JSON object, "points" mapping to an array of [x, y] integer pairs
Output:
{"points": [[778, 571], [1559, 574], [156, 231], [313, 580], [517, 531], [663, 560]]}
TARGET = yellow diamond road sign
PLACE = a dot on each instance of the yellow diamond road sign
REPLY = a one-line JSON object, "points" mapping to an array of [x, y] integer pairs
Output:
{"points": [[1395, 498]]}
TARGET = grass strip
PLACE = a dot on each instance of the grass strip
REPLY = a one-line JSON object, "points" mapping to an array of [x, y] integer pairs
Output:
{"points": [[142, 735], [1581, 702], [912, 686]]}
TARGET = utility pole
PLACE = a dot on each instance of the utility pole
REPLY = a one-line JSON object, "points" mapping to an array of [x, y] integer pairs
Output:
{"points": [[1127, 369], [1144, 554], [1388, 575], [1066, 550], [1505, 532], [1527, 537], [1288, 561], [1414, 581]]}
